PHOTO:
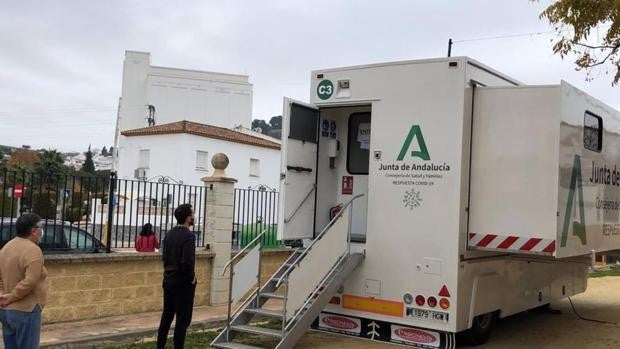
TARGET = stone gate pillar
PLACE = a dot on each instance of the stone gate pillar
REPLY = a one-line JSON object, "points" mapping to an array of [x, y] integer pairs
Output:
{"points": [[219, 216]]}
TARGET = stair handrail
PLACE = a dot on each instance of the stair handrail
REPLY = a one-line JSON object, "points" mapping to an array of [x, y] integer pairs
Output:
{"points": [[240, 253], [286, 220], [230, 277], [329, 225], [288, 324]]}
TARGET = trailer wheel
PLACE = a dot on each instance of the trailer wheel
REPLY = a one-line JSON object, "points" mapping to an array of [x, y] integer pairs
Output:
{"points": [[481, 329]]}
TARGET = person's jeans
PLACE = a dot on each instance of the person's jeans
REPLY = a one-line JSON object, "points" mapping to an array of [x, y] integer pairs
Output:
{"points": [[21, 329], [179, 301]]}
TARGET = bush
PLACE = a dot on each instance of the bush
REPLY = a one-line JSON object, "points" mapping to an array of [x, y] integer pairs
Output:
{"points": [[44, 204]]}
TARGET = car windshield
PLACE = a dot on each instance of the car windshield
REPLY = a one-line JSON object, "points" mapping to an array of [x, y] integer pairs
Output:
{"points": [[52, 238], [6, 233], [55, 237], [78, 239]]}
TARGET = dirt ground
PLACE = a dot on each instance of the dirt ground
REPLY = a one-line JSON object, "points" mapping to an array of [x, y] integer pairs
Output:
{"points": [[533, 330]]}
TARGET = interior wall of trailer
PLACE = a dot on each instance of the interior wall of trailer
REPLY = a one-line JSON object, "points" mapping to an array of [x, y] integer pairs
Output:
{"points": [[330, 191]]}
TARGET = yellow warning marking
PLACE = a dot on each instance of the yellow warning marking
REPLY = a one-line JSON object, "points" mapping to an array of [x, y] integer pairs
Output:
{"points": [[373, 305]]}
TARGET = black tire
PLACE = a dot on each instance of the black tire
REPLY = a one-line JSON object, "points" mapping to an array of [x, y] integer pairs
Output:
{"points": [[481, 328]]}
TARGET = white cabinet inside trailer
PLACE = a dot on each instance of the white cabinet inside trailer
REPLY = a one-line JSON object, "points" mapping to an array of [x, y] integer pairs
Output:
{"points": [[544, 171]]}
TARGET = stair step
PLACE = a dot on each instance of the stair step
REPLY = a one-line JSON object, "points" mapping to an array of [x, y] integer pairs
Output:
{"points": [[275, 280], [271, 295], [257, 330], [265, 312], [233, 345], [285, 268]]}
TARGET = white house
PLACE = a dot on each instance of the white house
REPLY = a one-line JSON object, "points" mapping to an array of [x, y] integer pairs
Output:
{"points": [[171, 121], [182, 151]]}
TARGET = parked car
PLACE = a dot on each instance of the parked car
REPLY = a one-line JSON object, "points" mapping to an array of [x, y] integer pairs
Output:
{"points": [[58, 237]]}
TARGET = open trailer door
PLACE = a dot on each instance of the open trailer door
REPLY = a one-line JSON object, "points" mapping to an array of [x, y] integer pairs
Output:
{"points": [[300, 123]]}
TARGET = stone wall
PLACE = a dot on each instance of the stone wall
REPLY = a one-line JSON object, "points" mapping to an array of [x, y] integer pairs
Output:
{"points": [[271, 261], [99, 285]]}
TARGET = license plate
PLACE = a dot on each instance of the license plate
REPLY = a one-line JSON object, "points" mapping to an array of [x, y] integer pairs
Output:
{"points": [[429, 315]]}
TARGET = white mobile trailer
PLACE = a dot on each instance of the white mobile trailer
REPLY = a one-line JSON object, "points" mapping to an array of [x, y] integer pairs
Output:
{"points": [[482, 198]]}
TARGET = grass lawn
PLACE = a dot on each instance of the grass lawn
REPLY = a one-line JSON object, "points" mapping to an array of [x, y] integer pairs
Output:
{"points": [[198, 339], [615, 271], [202, 339]]}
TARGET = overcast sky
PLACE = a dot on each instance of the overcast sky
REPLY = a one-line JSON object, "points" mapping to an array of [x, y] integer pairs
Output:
{"points": [[61, 61]]}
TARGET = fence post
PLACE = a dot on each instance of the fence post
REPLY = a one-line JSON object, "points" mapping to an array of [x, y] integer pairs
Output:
{"points": [[219, 216], [108, 239]]}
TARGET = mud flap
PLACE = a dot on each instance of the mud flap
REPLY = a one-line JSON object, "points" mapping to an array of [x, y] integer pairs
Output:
{"points": [[384, 331]]}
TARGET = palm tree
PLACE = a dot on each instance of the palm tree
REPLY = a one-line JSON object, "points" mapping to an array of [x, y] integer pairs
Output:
{"points": [[50, 164], [48, 171]]}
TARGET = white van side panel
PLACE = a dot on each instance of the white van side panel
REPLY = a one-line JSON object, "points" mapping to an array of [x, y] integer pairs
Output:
{"points": [[596, 192], [514, 179], [476, 75]]}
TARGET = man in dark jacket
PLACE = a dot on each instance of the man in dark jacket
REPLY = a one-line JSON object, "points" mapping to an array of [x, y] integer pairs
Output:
{"points": [[178, 252]]}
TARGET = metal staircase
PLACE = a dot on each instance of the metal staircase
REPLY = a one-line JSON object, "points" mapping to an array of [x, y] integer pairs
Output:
{"points": [[303, 285]]}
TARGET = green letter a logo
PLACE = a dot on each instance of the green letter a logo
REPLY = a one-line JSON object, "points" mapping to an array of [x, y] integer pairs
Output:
{"points": [[414, 132], [579, 228]]}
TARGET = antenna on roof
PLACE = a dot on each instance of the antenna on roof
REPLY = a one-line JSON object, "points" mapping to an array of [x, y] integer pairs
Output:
{"points": [[449, 47], [151, 117]]}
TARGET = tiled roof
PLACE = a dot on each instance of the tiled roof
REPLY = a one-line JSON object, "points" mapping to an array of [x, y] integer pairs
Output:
{"points": [[202, 130]]}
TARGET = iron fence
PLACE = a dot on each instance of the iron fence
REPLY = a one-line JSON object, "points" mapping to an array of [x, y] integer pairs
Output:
{"points": [[135, 203], [61, 200], [84, 213], [254, 211]]}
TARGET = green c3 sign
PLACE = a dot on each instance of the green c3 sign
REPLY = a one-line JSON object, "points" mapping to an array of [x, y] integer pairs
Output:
{"points": [[325, 89]]}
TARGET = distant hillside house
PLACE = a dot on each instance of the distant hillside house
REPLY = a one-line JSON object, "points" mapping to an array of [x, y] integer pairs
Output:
{"points": [[172, 121]]}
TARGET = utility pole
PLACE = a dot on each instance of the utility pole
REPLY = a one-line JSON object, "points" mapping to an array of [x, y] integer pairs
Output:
{"points": [[449, 47]]}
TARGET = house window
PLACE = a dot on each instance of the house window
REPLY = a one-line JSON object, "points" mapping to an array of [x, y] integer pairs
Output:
{"points": [[202, 160], [144, 158], [592, 132], [254, 168]]}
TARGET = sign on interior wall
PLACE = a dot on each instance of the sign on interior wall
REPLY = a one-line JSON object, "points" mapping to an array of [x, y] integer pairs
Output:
{"points": [[347, 185]]}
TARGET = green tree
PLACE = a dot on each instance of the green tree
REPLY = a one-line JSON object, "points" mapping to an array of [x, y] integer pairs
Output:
{"points": [[49, 164], [104, 151], [48, 178], [88, 166], [3, 161], [276, 122], [575, 21], [262, 124]]}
